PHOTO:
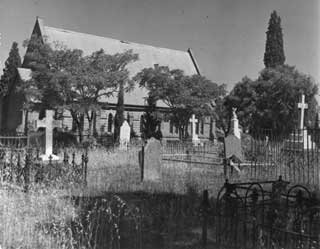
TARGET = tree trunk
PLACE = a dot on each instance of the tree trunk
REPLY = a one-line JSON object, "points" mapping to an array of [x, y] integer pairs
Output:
{"points": [[119, 117], [90, 123], [26, 128], [94, 124], [79, 123]]}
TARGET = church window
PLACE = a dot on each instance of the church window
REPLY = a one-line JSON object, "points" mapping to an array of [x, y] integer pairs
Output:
{"points": [[177, 129], [128, 118], [171, 126], [110, 122], [202, 126], [197, 127], [141, 123]]}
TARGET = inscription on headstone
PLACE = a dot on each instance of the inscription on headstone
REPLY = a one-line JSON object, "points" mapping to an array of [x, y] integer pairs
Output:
{"points": [[152, 160]]}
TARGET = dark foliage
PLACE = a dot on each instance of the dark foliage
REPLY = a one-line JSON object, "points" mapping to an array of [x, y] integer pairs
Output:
{"points": [[274, 52], [270, 102], [10, 70]]}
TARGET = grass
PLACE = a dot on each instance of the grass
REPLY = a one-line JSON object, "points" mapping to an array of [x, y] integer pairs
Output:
{"points": [[119, 171], [44, 218], [23, 217]]}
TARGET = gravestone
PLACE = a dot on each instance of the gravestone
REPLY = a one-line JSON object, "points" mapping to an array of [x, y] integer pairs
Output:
{"points": [[301, 139], [303, 106], [49, 124], [233, 150], [152, 160], [124, 135], [235, 124], [195, 138]]}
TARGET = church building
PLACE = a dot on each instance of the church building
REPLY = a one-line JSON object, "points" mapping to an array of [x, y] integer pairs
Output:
{"points": [[135, 101]]}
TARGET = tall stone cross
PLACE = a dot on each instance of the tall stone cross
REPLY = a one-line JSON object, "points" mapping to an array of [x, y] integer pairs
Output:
{"points": [[193, 121], [49, 124], [303, 106]]}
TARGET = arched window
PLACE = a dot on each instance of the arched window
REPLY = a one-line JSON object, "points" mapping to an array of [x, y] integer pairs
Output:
{"points": [[197, 127], [141, 123], [128, 118], [171, 126], [202, 126], [110, 122]]}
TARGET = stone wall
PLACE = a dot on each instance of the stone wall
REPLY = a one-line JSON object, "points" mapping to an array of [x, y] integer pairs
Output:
{"points": [[103, 124]]}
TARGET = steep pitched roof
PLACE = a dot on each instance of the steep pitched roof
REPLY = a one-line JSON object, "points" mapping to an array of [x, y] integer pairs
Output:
{"points": [[148, 55], [24, 73]]}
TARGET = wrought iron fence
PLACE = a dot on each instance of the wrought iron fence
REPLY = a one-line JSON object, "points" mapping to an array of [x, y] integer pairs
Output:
{"points": [[14, 141], [23, 168], [296, 156], [267, 214]]}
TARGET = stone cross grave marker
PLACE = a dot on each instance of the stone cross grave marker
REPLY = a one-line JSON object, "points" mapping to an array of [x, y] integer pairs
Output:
{"points": [[235, 124], [303, 106], [124, 135], [195, 138], [49, 124], [152, 160]]}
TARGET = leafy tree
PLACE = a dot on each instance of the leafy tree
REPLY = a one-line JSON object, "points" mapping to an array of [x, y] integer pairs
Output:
{"points": [[151, 119], [274, 52], [270, 102], [64, 78], [7, 82], [125, 84], [184, 95], [244, 98], [223, 116]]}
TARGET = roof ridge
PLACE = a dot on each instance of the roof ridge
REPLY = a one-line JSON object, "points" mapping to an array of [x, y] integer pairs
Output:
{"points": [[118, 40]]}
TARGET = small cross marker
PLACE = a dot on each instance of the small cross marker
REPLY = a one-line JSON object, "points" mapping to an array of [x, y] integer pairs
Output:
{"points": [[49, 124], [303, 106]]}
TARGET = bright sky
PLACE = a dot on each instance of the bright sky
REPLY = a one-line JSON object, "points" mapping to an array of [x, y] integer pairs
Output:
{"points": [[227, 36]]}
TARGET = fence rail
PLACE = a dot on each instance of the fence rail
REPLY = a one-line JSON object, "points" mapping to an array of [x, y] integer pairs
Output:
{"points": [[296, 156], [267, 214], [11, 141], [23, 168]]}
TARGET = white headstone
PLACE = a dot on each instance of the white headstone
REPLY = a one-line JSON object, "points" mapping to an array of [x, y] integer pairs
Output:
{"points": [[21, 127], [303, 106], [152, 160], [235, 124], [124, 135], [195, 138], [49, 124]]}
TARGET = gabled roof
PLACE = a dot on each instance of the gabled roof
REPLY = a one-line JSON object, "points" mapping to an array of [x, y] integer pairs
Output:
{"points": [[24, 73], [148, 55]]}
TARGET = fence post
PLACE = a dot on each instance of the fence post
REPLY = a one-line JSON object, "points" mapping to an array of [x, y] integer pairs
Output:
{"points": [[141, 161], [86, 159], [225, 160], [205, 210], [26, 171]]}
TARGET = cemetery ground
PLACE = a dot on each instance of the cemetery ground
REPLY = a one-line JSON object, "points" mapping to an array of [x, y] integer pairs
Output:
{"points": [[116, 209], [52, 213]]}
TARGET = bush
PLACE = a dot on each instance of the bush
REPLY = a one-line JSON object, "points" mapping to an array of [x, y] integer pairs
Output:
{"points": [[64, 139]]}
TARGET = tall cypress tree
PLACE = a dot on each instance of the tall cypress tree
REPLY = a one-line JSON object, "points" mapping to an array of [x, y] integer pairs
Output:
{"points": [[10, 70], [119, 117], [274, 53], [7, 82]]}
